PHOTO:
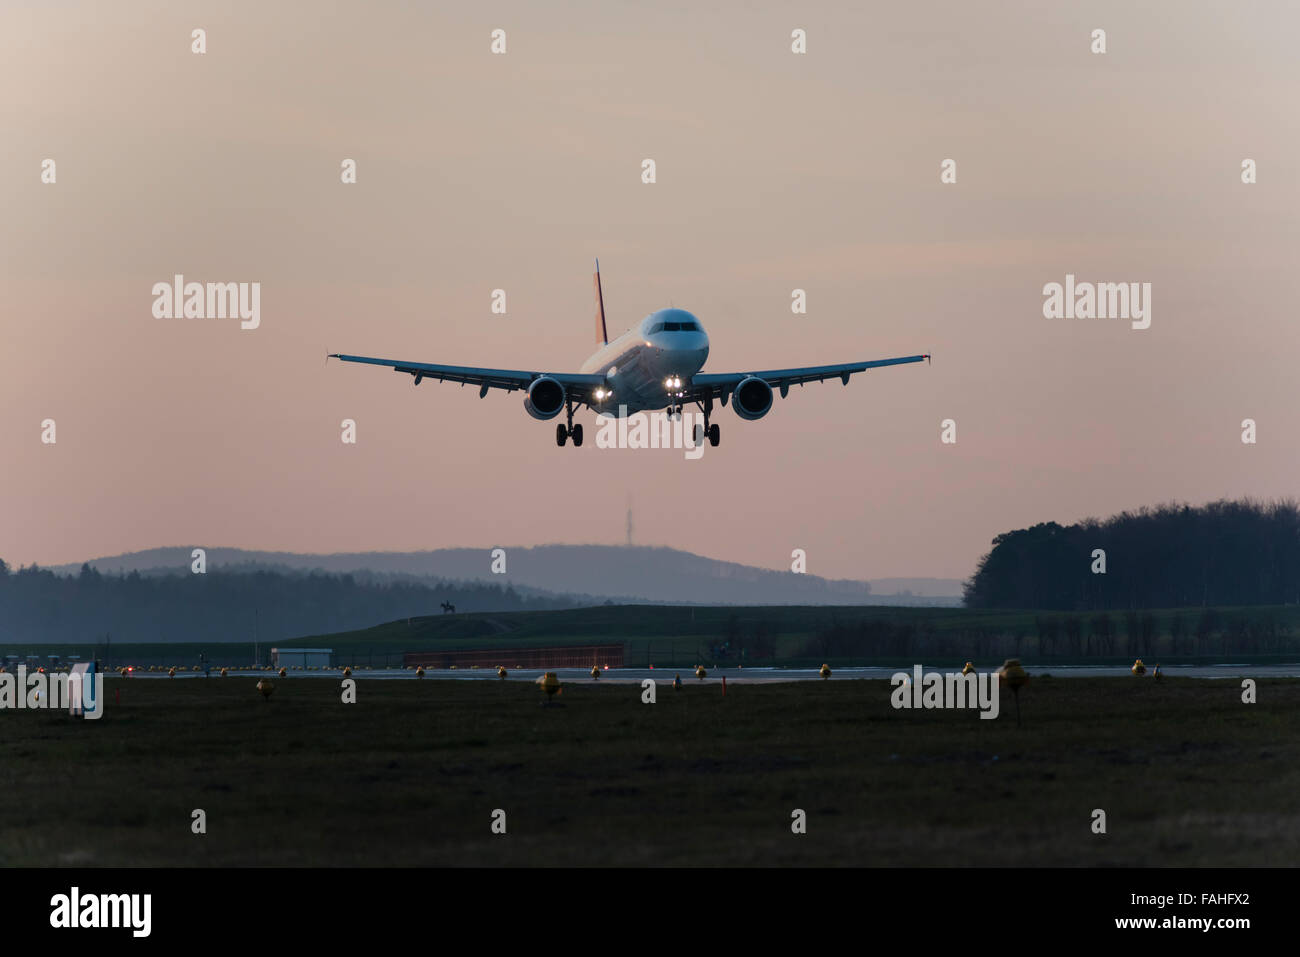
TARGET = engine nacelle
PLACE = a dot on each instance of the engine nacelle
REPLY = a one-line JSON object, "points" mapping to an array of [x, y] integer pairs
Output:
{"points": [[545, 398], [752, 398]]}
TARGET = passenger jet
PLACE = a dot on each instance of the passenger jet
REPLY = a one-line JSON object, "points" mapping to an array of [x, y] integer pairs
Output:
{"points": [[655, 365]]}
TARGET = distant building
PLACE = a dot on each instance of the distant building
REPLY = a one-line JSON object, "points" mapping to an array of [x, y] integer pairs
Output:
{"points": [[301, 657], [567, 656]]}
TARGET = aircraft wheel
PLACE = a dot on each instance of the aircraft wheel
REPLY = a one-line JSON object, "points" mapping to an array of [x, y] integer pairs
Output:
{"points": [[561, 434], [577, 435], [715, 434], [699, 435]]}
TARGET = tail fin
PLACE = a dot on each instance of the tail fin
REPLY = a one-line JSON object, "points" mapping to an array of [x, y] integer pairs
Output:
{"points": [[602, 336]]}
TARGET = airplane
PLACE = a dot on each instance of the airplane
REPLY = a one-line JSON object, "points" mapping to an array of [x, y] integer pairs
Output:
{"points": [[654, 365]]}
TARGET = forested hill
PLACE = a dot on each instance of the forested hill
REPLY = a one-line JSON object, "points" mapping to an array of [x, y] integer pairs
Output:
{"points": [[38, 606], [1223, 553]]}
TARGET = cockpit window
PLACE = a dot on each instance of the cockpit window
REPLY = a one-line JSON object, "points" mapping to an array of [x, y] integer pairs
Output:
{"points": [[685, 325]]}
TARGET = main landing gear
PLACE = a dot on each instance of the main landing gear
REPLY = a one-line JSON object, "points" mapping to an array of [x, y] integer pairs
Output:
{"points": [[563, 433], [712, 431], [570, 431]]}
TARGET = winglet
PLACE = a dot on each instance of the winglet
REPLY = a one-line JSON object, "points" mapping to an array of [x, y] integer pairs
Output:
{"points": [[602, 336]]}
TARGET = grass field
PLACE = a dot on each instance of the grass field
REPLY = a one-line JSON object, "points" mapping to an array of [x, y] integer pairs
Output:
{"points": [[411, 773], [681, 635]]}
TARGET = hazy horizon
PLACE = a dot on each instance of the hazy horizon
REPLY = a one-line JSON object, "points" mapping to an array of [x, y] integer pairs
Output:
{"points": [[775, 171], [212, 558]]}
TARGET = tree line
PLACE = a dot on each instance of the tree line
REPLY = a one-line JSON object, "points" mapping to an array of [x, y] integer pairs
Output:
{"points": [[1172, 556], [38, 606], [1130, 634]]}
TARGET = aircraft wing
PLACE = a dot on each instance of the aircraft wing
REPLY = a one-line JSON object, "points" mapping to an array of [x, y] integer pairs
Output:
{"points": [[575, 384], [720, 385]]}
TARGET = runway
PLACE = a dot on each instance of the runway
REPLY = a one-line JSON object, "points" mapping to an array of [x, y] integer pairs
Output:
{"points": [[664, 676]]}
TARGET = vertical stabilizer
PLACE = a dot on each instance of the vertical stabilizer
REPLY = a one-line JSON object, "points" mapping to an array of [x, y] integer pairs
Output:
{"points": [[602, 336]]}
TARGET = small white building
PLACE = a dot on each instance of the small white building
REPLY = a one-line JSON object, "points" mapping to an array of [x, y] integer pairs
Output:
{"points": [[301, 657]]}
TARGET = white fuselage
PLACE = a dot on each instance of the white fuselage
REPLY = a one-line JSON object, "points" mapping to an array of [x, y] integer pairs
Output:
{"points": [[664, 345]]}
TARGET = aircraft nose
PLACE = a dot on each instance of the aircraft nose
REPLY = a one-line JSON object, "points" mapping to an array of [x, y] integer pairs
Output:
{"points": [[681, 356], [682, 343]]}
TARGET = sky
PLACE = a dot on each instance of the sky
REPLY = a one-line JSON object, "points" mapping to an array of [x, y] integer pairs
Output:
{"points": [[775, 171]]}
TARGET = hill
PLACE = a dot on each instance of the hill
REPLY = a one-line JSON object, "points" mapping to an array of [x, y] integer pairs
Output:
{"points": [[601, 572]]}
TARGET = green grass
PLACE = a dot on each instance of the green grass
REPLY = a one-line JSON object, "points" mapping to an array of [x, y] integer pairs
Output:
{"points": [[1187, 774]]}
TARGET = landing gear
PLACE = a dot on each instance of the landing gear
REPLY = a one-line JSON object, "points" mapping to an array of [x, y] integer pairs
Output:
{"points": [[712, 431], [569, 431]]}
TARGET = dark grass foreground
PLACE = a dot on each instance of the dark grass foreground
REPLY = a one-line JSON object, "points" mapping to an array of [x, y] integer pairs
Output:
{"points": [[1187, 775]]}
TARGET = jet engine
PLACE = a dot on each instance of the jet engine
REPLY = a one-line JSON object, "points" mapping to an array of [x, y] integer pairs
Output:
{"points": [[752, 398], [546, 398]]}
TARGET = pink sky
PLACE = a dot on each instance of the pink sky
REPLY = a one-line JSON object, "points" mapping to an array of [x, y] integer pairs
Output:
{"points": [[775, 171]]}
